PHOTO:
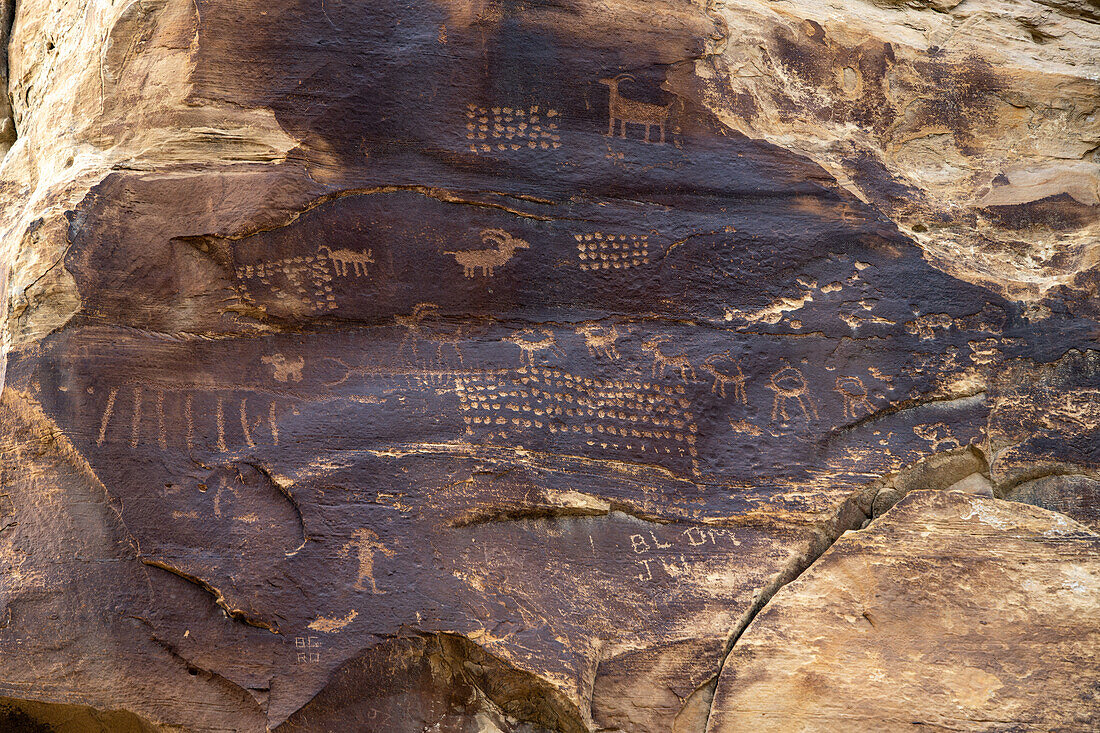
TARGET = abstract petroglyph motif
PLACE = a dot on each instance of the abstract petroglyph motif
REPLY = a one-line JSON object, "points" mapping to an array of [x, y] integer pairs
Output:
{"points": [[533, 340], [306, 278], [936, 434], [168, 417], [424, 323], [503, 247], [663, 360], [511, 128], [600, 340], [599, 251], [625, 110], [855, 396], [726, 372], [368, 544], [341, 258], [283, 369], [608, 414], [790, 387]]}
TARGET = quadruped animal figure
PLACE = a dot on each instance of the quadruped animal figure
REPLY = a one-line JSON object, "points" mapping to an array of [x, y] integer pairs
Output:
{"points": [[789, 384], [625, 110], [726, 372], [531, 341], [341, 258], [488, 260], [283, 369], [417, 329], [662, 361], [600, 340]]}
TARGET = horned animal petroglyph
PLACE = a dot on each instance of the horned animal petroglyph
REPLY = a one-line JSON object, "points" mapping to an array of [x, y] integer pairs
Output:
{"points": [[531, 341], [488, 260], [626, 110], [662, 361], [600, 340], [418, 326]]}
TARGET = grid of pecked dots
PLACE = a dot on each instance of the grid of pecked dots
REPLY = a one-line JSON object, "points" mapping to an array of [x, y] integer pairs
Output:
{"points": [[511, 128], [599, 251]]}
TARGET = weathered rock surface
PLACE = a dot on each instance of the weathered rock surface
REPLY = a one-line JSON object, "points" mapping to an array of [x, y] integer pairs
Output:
{"points": [[489, 366], [950, 612]]}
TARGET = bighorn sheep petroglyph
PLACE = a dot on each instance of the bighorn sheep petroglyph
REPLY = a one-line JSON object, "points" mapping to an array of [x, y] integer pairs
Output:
{"points": [[531, 341], [488, 260], [416, 329], [626, 110], [662, 361], [600, 340]]}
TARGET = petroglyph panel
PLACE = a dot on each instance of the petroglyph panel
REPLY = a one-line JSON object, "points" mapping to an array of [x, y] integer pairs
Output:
{"points": [[535, 406], [599, 251], [512, 128]]}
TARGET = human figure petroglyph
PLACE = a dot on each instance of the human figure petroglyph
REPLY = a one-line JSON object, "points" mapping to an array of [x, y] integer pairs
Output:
{"points": [[424, 323], [488, 260], [367, 543], [625, 110], [341, 258], [283, 369], [789, 384], [724, 370], [533, 340], [662, 361], [600, 340], [854, 394]]}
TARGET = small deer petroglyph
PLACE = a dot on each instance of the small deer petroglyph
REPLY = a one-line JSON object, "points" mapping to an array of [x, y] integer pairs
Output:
{"points": [[285, 369], [662, 360], [789, 384], [531, 341], [729, 373], [341, 258], [417, 328], [625, 110], [488, 260], [854, 394], [600, 340]]}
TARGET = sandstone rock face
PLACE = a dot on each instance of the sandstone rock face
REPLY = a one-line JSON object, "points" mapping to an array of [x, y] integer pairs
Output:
{"points": [[487, 366], [951, 612]]}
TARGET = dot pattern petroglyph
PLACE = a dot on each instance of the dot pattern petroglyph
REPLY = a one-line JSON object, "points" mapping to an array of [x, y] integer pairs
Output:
{"points": [[511, 128], [599, 251], [635, 417]]}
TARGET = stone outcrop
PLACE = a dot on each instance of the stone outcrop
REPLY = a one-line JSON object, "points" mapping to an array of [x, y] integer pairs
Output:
{"points": [[950, 612], [493, 366]]}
